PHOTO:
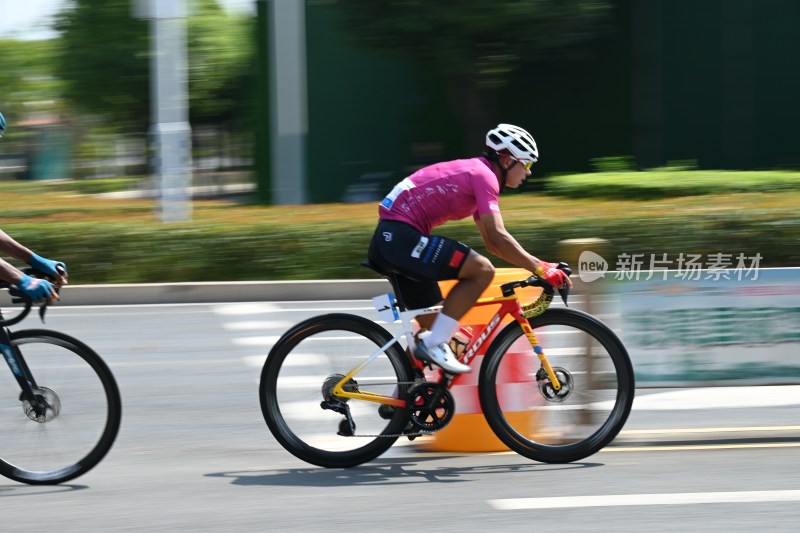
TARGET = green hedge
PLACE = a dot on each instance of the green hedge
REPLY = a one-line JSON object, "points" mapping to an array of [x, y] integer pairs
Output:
{"points": [[654, 184], [123, 242], [118, 253]]}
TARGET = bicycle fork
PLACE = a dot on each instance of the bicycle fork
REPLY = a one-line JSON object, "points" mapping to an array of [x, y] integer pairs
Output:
{"points": [[19, 368], [539, 351]]}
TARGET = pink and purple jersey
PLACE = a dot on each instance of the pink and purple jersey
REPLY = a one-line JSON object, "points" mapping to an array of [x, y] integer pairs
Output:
{"points": [[444, 191]]}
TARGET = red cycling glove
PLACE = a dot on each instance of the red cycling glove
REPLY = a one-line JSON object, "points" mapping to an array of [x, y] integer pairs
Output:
{"points": [[551, 274]]}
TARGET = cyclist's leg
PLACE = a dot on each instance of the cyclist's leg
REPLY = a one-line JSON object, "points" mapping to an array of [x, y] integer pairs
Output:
{"points": [[475, 275], [425, 260]]}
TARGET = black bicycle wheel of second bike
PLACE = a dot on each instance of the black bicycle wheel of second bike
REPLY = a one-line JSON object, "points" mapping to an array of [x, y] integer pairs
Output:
{"points": [[557, 426], [297, 379], [82, 418]]}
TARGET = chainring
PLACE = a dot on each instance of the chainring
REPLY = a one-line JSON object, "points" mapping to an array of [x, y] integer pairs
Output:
{"points": [[431, 406]]}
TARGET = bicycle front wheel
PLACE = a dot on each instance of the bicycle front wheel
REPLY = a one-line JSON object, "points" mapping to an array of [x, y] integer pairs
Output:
{"points": [[82, 417], [299, 374], [535, 420]]}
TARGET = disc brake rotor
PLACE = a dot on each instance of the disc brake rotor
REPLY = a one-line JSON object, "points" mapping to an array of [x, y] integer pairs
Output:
{"points": [[47, 399], [553, 395]]}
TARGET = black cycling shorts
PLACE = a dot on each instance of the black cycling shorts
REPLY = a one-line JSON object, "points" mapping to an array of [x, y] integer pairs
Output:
{"points": [[420, 260]]}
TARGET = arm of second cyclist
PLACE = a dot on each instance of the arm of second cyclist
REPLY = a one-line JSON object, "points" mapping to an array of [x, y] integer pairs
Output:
{"points": [[502, 244], [36, 289], [9, 273], [9, 246], [56, 270]]}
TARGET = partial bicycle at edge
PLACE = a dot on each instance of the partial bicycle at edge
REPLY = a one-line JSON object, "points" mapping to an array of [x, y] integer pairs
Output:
{"points": [[60, 406]]}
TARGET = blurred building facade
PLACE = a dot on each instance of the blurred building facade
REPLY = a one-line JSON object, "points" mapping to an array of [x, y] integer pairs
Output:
{"points": [[713, 83]]}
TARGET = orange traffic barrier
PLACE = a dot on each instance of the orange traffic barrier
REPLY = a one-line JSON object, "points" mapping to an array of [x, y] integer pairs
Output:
{"points": [[469, 431]]}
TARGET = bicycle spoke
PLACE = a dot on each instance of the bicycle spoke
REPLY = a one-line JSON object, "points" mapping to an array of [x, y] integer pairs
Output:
{"points": [[297, 383], [551, 425], [77, 428]]}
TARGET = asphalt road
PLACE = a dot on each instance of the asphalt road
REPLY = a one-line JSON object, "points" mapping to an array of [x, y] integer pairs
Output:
{"points": [[194, 453]]}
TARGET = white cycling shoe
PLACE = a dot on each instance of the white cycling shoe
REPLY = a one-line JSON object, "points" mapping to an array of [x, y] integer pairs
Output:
{"points": [[442, 356]]}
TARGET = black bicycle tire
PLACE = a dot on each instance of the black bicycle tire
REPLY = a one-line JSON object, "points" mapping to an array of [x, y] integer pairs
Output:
{"points": [[113, 417], [271, 410], [580, 449]]}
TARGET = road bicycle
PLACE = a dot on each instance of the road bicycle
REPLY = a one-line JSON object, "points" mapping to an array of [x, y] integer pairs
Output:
{"points": [[60, 407], [338, 390]]}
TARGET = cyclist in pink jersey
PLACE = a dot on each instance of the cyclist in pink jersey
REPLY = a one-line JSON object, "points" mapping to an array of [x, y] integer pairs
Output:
{"points": [[403, 242]]}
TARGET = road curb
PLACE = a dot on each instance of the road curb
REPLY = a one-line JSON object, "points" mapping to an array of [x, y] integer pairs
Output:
{"points": [[216, 292]]}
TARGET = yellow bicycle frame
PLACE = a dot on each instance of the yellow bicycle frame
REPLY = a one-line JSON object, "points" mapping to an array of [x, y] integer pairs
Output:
{"points": [[509, 305]]}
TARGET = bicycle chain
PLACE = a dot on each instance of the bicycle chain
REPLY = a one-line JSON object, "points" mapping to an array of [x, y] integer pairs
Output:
{"points": [[398, 435], [421, 434]]}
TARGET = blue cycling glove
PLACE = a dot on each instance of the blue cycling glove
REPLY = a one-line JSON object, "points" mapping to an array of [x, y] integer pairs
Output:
{"points": [[47, 266], [36, 289]]}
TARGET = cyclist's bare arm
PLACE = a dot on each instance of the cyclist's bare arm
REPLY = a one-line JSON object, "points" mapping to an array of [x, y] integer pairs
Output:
{"points": [[56, 271], [9, 273], [11, 247], [502, 244]]}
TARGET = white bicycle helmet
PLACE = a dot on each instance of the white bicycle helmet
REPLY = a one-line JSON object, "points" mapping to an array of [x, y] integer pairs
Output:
{"points": [[512, 140]]}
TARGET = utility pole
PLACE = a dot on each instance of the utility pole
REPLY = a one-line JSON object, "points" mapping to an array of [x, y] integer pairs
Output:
{"points": [[170, 129], [282, 25]]}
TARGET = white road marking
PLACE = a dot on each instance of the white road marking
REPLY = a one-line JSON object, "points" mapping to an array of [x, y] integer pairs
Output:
{"points": [[701, 447], [246, 308], [681, 431], [625, 500], [256, 341], [718, 398], [275, 307], [255, 360], [258, 324]]}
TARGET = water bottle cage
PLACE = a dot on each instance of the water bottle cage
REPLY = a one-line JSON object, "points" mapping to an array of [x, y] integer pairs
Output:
{"points": [[538, 306], [458, 346]]}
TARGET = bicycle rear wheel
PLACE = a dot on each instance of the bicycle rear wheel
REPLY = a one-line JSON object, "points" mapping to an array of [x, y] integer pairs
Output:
{"points": [[304, 364], [83, 415], [550, 426]]}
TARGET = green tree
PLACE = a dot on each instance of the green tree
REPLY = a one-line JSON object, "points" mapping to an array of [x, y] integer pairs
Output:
{"points": [[104, 60], [474, 44], [27, 78], [220, 56]]}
